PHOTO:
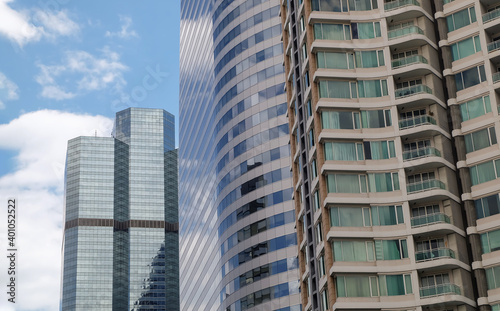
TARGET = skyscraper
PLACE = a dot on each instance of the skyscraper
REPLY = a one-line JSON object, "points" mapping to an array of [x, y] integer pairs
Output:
{"points": [[393, 107], [120, 247], [238, 243]]}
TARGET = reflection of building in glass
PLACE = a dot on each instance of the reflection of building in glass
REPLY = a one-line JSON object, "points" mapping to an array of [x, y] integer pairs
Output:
{"points": [[238, 243], [394, 108], [120, 248]]}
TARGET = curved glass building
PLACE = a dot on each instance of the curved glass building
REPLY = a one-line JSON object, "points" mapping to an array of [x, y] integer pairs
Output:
{"points": [[238, 243]]}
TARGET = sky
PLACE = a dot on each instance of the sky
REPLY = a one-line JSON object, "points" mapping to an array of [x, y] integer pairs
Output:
{"points": [[66, 68]]}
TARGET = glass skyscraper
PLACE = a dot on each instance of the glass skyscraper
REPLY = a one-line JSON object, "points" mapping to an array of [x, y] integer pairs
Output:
{"points": [[120, 247], [238, 243]]}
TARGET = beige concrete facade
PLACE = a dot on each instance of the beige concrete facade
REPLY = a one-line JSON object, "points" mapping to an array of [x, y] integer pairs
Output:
{"points": [[393, 110]]}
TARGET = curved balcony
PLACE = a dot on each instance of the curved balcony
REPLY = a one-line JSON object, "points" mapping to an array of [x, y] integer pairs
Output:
{"points": [[425, 186], [434, 254], [438, 290], [487, 17], [421, 153], [410, 60], [429, 220], [493, 46], [412, 90], [405, 31], [416, 121], [394, 5], [496, 77]]}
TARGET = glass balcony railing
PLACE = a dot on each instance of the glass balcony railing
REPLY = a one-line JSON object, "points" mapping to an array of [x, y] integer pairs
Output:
{"points": [[430, 219], [496, 77], [416, 121], [425, 185], [421, 153], [437, 290], [493, 46], [402, 62], [396, 33], [433, 254], [412, 90], [492, 15], [399, 3]]}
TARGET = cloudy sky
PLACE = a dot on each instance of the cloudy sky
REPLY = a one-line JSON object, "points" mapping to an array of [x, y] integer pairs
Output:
{"points": [[66, 67]]}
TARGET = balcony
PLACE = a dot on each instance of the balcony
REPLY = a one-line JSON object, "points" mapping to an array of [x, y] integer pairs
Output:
{"points": [[393, 5], [438, 290], [496, 77], [397, 33], [416, 121], [425, 185], [421, 153], [493, 46], [491, 15], [402, 62], [434, 254], [412, 90], [429, 220]]}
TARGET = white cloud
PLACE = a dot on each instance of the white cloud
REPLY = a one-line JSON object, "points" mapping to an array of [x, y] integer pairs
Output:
{"points": [[8, 90], [33, 24], [91, 73], [124, 33], [39, 140]]}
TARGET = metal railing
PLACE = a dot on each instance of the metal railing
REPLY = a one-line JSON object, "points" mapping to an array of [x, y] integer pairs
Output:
{"points": [[493, 46], [425, 185], [492, 15], [496, 77], [399, 3], [433, 254], [421, 153], [414, 59], [412, 90], [437, 290], [426, 220], [396, 33]]}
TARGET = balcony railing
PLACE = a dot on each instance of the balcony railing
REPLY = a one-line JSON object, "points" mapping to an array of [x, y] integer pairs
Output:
{"points": [[412, 90], [402, 62], [437, 290], [493, 46], [429, 219], [433, 254], [393, 5], [396, 33], [425, 185], [416, 121], [496, 77], [421, 153], [491, 15]]}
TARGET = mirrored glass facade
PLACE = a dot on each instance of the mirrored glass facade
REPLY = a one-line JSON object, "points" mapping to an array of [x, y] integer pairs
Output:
{"points": [[235, 186], [120, 248]]}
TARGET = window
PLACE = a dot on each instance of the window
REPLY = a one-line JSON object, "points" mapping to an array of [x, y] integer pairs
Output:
{"points": [[311, 138], [429, 249], [404, 54], [316, 203], [368, 286], [335, 60], [309, 109], [425, 211], [383, 182], [369, 59], [480, 139], [470, 77], [490, 241], [375, 118], [418, 178], [347, 89], [353, 251], [400, 25], [368, 30], [350, 217], [314, 169], [345, 120], [475, 108], [321, 268], [306, 79], [487, 206], [302, 24], [408, 83], [391, 249], [461, 19], [387, 215], [303, 52], [378, 150], [485, 172], [372, 88], [332, 31], [465, 48], [337, 151], [493, 278], [346, 183], [319, 233], [344, 5], [324, 300], [432, 284]]}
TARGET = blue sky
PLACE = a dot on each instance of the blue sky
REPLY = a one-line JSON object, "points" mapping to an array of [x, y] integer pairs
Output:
{"points": [[66, 67]]}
